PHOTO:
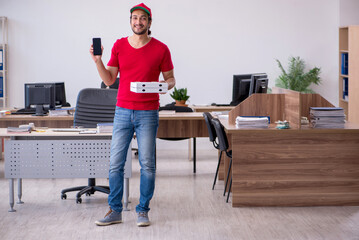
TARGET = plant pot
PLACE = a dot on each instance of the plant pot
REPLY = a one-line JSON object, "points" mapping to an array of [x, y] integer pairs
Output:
{"points": [[181, 103]]}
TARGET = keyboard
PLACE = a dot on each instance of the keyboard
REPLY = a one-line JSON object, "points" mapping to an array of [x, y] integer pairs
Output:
{"points": [[222, 105], [25, 111], [69, 129]]}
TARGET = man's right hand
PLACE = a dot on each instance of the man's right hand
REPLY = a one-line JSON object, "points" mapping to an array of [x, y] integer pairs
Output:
{"points": [[108, 75], [96, 58]]}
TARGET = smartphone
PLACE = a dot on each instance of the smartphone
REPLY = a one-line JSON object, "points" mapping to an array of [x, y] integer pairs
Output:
{"points": [[96, 42]]}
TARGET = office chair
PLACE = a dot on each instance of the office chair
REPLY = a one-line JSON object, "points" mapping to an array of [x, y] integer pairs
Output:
{"points": [[171, 106], [113, 86], [223, 147], [212, 138], [94, 105]]}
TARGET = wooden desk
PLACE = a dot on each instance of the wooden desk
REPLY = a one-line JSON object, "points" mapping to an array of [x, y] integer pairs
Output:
{"points": [[45, 121], [294, 167], [182, 125], [178, 125], [211, 108]]}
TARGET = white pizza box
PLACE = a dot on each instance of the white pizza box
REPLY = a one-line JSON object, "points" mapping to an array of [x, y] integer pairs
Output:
{"points": [[148, 90], [149, 87], [149, 84]]}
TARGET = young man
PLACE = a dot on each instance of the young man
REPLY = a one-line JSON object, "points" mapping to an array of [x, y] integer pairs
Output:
{"points": [[138, 58]]}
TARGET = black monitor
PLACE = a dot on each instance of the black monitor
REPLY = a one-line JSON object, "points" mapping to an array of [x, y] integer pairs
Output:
{"points": [[40, 96], [261, 85], [60, 99], [241, 87], [254, 81]]}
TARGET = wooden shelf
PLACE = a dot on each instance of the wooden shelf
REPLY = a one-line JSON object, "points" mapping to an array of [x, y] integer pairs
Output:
{"points": [[349, 43]]}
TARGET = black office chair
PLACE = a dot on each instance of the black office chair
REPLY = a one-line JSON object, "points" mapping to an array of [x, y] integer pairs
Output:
{"points": [[212, 138], [172, 107], [113, 86], [223, 147], [94, 105]]}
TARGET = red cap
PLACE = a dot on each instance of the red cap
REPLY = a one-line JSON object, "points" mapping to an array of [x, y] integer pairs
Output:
{"points": [[142, 7]]}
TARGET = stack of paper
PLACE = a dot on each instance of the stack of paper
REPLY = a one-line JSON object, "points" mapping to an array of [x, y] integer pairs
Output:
{"points": [[104, 127], [149, 87], [327, 117], [252, 122], [20, 129]]}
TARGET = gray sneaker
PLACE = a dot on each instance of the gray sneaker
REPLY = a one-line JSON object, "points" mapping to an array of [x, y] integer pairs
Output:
{"points": [[111, 217], [143, 220]]}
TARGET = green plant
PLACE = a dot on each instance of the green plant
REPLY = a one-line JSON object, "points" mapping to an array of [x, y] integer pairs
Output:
{"points": [[295, 78], [179, 94]]}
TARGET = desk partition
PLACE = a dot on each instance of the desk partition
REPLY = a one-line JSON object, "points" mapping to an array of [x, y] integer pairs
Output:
{"points": [[282, 104]]}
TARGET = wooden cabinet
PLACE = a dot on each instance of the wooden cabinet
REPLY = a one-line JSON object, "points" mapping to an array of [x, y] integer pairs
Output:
{"points": [[3, 61], [349, 44]]}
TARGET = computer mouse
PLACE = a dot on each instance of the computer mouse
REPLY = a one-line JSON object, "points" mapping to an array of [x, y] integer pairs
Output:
{"points": [[213, 104]]}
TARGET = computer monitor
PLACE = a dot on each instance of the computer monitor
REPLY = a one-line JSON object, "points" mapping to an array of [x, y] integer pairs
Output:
{"points": [[40, 96], [60, 99], [241, 87], [261, 85], [254, 81]]}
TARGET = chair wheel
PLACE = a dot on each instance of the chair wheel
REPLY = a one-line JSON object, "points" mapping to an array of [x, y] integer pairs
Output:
{"points": [[78, 200], [88, 194], [63, 196]]}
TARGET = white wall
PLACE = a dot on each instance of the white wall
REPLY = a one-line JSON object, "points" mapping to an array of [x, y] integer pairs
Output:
{"points": [[349, 12], [209, 40]]}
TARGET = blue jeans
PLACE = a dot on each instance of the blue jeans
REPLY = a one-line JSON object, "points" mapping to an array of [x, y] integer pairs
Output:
{"points": [[145, 124]]}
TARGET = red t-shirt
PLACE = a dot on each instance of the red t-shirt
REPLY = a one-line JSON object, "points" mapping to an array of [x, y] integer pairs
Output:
{"points": [[139, 65]]}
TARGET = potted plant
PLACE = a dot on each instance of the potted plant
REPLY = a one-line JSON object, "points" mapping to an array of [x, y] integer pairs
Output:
{"points": [[180, 95], [295, 78]]}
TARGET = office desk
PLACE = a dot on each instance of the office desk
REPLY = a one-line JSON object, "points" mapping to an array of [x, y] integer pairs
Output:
{"points": [[58, 155], [177, 125], [44, 121], [294, 167], [182, 125], [67, 121]]}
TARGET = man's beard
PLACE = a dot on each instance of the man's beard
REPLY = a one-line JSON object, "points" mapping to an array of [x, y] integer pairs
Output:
{"points": [[139, 33]]}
